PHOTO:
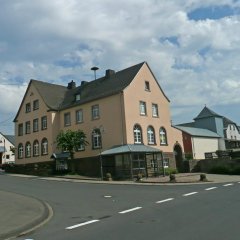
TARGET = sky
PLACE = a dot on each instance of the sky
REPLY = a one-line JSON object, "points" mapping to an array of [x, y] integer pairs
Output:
{"points": [[192, 47]]}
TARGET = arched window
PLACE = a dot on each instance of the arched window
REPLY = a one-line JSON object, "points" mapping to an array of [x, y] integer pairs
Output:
{"points": [[163, 136], [96, 139], [151, 135], [28, 149], [35, 148], [44, 146], [20, 150], [137, 133]]}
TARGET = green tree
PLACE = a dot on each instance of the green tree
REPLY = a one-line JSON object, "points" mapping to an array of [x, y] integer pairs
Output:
{"points": [[71, 141]]}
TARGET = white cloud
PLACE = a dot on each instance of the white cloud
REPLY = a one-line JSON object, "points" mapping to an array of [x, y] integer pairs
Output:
{"points": [[196, 62]]}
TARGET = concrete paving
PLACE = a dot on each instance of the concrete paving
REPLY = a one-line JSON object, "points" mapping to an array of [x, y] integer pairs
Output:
{"points": [[21, 214]]}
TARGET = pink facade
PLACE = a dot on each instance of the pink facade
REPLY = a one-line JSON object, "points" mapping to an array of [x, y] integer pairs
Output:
{"points": [[137, 113]]}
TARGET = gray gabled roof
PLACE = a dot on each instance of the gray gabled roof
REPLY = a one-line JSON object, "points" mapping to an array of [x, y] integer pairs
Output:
{"points": [[101, 87], [52, 94], [128, 148], [10, 138], [198, 132], [58, 97], [206, 113]]}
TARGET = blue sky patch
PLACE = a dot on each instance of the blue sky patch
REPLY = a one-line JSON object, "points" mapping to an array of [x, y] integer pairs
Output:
{"points": [[204, 51], [173, 40], [212, 12]]}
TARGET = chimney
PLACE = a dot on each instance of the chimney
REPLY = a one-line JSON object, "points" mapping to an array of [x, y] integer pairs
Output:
{"points": [[109, 73], [71, 85]]}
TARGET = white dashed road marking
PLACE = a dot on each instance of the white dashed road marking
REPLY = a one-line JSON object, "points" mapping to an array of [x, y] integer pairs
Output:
{"points": [[211, 188], [81, 224], [130, 210], [228, 184], [188, 194], [165, 200]]}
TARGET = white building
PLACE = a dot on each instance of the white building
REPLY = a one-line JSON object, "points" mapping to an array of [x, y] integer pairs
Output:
{"points": [[7, 143]]}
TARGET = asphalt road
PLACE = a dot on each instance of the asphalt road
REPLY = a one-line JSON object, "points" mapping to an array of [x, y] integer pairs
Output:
{"points": [[102, 211]]}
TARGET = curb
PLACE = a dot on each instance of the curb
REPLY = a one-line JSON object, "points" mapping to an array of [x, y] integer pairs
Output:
{"points": [[46, 215]]}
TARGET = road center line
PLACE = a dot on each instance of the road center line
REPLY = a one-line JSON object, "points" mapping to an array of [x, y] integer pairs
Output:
{"points": [[211, 188], [228, 184], [130, 210], [165, 200], [188, 194], [81, 224]]}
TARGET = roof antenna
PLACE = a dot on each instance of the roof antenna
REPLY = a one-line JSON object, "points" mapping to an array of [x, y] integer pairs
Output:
{"points": [[94, 69]]}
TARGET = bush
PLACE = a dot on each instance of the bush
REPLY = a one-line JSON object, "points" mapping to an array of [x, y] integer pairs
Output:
{"points": [[172, 178], [139, 177], [108, 176], [169, 171], [220, 170], [203, 177]]}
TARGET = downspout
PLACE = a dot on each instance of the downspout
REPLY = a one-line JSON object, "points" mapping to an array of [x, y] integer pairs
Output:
{"points": [[193, 148]]}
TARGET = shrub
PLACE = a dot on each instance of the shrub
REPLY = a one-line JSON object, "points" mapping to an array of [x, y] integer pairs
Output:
{"points": [[172, 178], [139, 177], [203, 177], [108, 176], [169, 171], [220, 170]]}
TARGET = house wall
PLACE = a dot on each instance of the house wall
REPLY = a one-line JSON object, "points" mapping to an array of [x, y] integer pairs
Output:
{"points": [[110, 124], [201, 145], [232, 132], [7, 156], [118, 114], [187, 143], [31, 95], [135, 93]]}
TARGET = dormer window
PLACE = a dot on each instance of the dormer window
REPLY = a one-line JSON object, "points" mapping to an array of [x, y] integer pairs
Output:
{"points": [[77, 97]]}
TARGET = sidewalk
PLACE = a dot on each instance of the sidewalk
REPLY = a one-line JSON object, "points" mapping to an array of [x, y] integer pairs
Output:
{"points": [[21, 214], [181, 178]]}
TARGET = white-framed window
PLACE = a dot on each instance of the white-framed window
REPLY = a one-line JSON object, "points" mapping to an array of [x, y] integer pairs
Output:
{"points": [[151, 135], [27, 127], [28, 149], [79, 116], [81, 148], [44, 146], [35, 148], [44, 122], [154, 110], [163, 136], [137, 133], [20, 129], [96, 139], [35, 125], [67, 119], [95, 112], [20, 150], [143, 108], [147, 86], [28, 107], [35, 104], [166, 162]]}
